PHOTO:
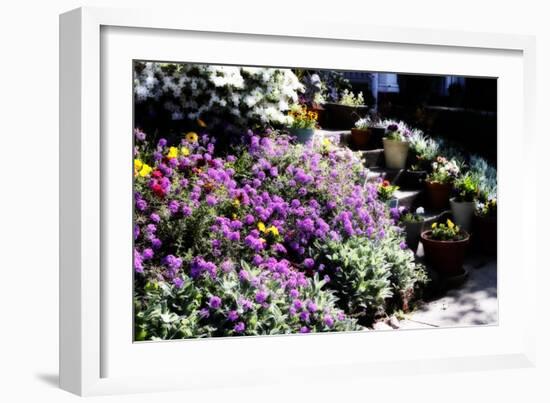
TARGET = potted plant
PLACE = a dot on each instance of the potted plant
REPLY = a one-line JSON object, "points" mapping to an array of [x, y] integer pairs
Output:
{"points": [[303, 123], [386, 191], [396, 146], [485, 226], [445, 246], [360, 134], [412, 224], [439, 182], [466, 189], [342, 115], [423, 150]]}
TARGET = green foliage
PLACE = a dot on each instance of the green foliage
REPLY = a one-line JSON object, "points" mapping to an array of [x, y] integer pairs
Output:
{"points": [[466, 187], [447, 231], [371, 276]]}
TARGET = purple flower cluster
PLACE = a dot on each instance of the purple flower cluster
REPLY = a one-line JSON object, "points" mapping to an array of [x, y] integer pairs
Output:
{"points": [[199, 222]]}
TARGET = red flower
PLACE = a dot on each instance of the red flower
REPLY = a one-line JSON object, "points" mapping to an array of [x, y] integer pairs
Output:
{"points": [[157, 174], [386, 183], [158, 190]]}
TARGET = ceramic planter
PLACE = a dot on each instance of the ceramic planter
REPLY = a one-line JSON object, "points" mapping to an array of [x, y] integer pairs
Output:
{"points": [[445, 257], [412, 180], [485, 234], [341, 117], [438, 194], [463, 212], [412, 234], [395, 153], [360, 138], [301, 135]]}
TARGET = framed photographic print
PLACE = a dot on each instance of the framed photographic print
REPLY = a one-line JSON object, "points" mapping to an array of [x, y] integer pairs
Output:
{"points": [[283, 200]]}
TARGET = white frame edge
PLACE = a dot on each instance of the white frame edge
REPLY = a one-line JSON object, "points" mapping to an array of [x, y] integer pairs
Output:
{"points": [[79, 147]]}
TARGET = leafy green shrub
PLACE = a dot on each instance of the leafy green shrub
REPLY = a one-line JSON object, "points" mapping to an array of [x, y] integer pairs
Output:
{"points": [[370, 277]]}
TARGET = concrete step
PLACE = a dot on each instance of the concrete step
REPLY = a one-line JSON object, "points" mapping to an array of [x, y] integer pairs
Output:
{"points": [[372, 158], [407, 198], [391, 175]]}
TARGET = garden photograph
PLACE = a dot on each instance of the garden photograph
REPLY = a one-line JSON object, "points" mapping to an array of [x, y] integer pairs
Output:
{"points": [[278, 201]]}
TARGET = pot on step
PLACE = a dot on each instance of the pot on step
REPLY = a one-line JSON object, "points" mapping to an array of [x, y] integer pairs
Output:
{"points": [[360, 138], [395, 153], [463, 213], [445, 257], [438, 194], [301, 135]]}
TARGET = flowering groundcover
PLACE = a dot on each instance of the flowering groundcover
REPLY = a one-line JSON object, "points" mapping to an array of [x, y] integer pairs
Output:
{"points": [[268, 237]]}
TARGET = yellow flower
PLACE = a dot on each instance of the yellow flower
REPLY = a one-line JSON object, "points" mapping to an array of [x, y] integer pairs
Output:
{"points": [[274, 230], [234, 216], [434, 225], [184, 151], [261, 226], [138, 164], [450, 224], [326, 143], [173, 152], [236, 203], [201, 123], [145, 170], [192, 137]]}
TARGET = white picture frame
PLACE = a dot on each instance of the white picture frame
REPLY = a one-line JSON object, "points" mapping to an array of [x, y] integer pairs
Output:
{"points": [[88, 348]]}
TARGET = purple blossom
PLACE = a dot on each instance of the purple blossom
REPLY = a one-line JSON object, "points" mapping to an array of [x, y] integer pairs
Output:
{"points": [[155, 218], [312, 307], [138, 262], [147, 254], [141, 205], [156, 243], [239, 327], [215, 302], [309, 263], [173, 206], [178, 282], [227, 266], [211, 200], [261, 297], [232, 316], [139, 134], [329, 320]]}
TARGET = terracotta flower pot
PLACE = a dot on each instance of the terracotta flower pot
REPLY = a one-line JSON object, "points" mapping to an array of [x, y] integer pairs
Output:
{"points": [[412, 234], [485, 234], [395, 153], [438, 194], [445, 257], [463, 212], [360, 138], [301, 135]]}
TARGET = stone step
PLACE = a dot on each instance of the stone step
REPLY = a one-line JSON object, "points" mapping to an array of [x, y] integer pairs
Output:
{"points": [[372, 158], [407, 198], [391, 175]]}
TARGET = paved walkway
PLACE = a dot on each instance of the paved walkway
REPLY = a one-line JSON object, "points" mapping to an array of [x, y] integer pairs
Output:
{"points": [[471, 304]]}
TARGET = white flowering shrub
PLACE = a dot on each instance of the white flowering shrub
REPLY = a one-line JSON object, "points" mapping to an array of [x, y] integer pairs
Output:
{"points": [[229, 97]]}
